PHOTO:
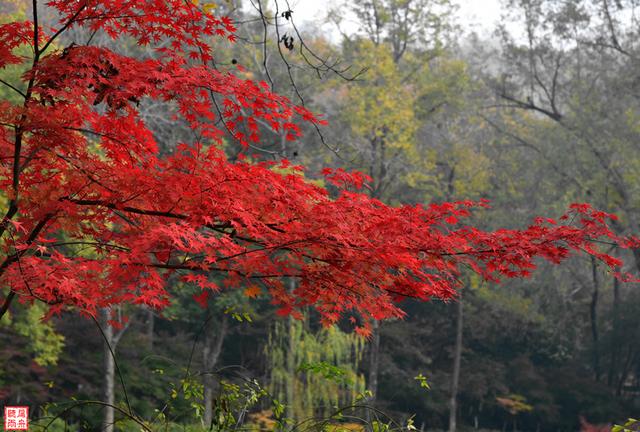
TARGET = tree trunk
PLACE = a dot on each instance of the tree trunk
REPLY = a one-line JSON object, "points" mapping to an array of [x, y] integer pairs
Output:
{"points": [[111, 339], [211, 354], [593, 315], [613, 366], [626, 368], [455, 377], [378, 158], [290, 360], [109, 371], [374, 365]]}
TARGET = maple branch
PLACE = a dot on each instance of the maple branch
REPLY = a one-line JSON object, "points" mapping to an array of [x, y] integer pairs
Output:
{"points": [[24, 279], [285, 246], [216, 269], [97, 245], [128, 209], [6, 220], [226, 126], [13, 204], [64, 27], [101, 135], [7, 303], [13, 88], [250, 251], [84, 171], [168, 214], [92, 132], [36, 29], [12, 258]]}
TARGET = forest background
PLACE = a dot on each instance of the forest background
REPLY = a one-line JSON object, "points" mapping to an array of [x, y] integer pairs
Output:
{"points": [[542, 113]]}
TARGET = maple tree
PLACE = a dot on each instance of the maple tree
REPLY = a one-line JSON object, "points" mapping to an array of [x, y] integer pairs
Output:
{"points": [[95, 216]]}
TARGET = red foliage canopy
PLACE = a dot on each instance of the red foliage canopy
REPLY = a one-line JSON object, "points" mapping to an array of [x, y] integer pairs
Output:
{"points": [[96, 216]]}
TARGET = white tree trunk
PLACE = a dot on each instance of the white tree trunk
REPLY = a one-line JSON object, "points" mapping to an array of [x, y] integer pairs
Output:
{"points": [[211, 354], [455, 376], [111, 339], [109, 371]]}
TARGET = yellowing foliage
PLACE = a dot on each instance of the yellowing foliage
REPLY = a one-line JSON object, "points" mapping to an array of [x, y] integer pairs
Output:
{"points": [[383, 107]]}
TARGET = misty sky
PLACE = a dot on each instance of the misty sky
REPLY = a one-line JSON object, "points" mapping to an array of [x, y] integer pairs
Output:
{"points": [[478, 15]]}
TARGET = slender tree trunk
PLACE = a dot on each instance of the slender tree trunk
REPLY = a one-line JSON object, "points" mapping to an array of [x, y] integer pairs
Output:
{"points": [[613, 366], [378, 158], [109, 371], [455, 377], [374, 359], [211, 353], [593, 314], [630, 358], [372, 168], [111, 340], [290, 360], [291, 366], [374, 366]]}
